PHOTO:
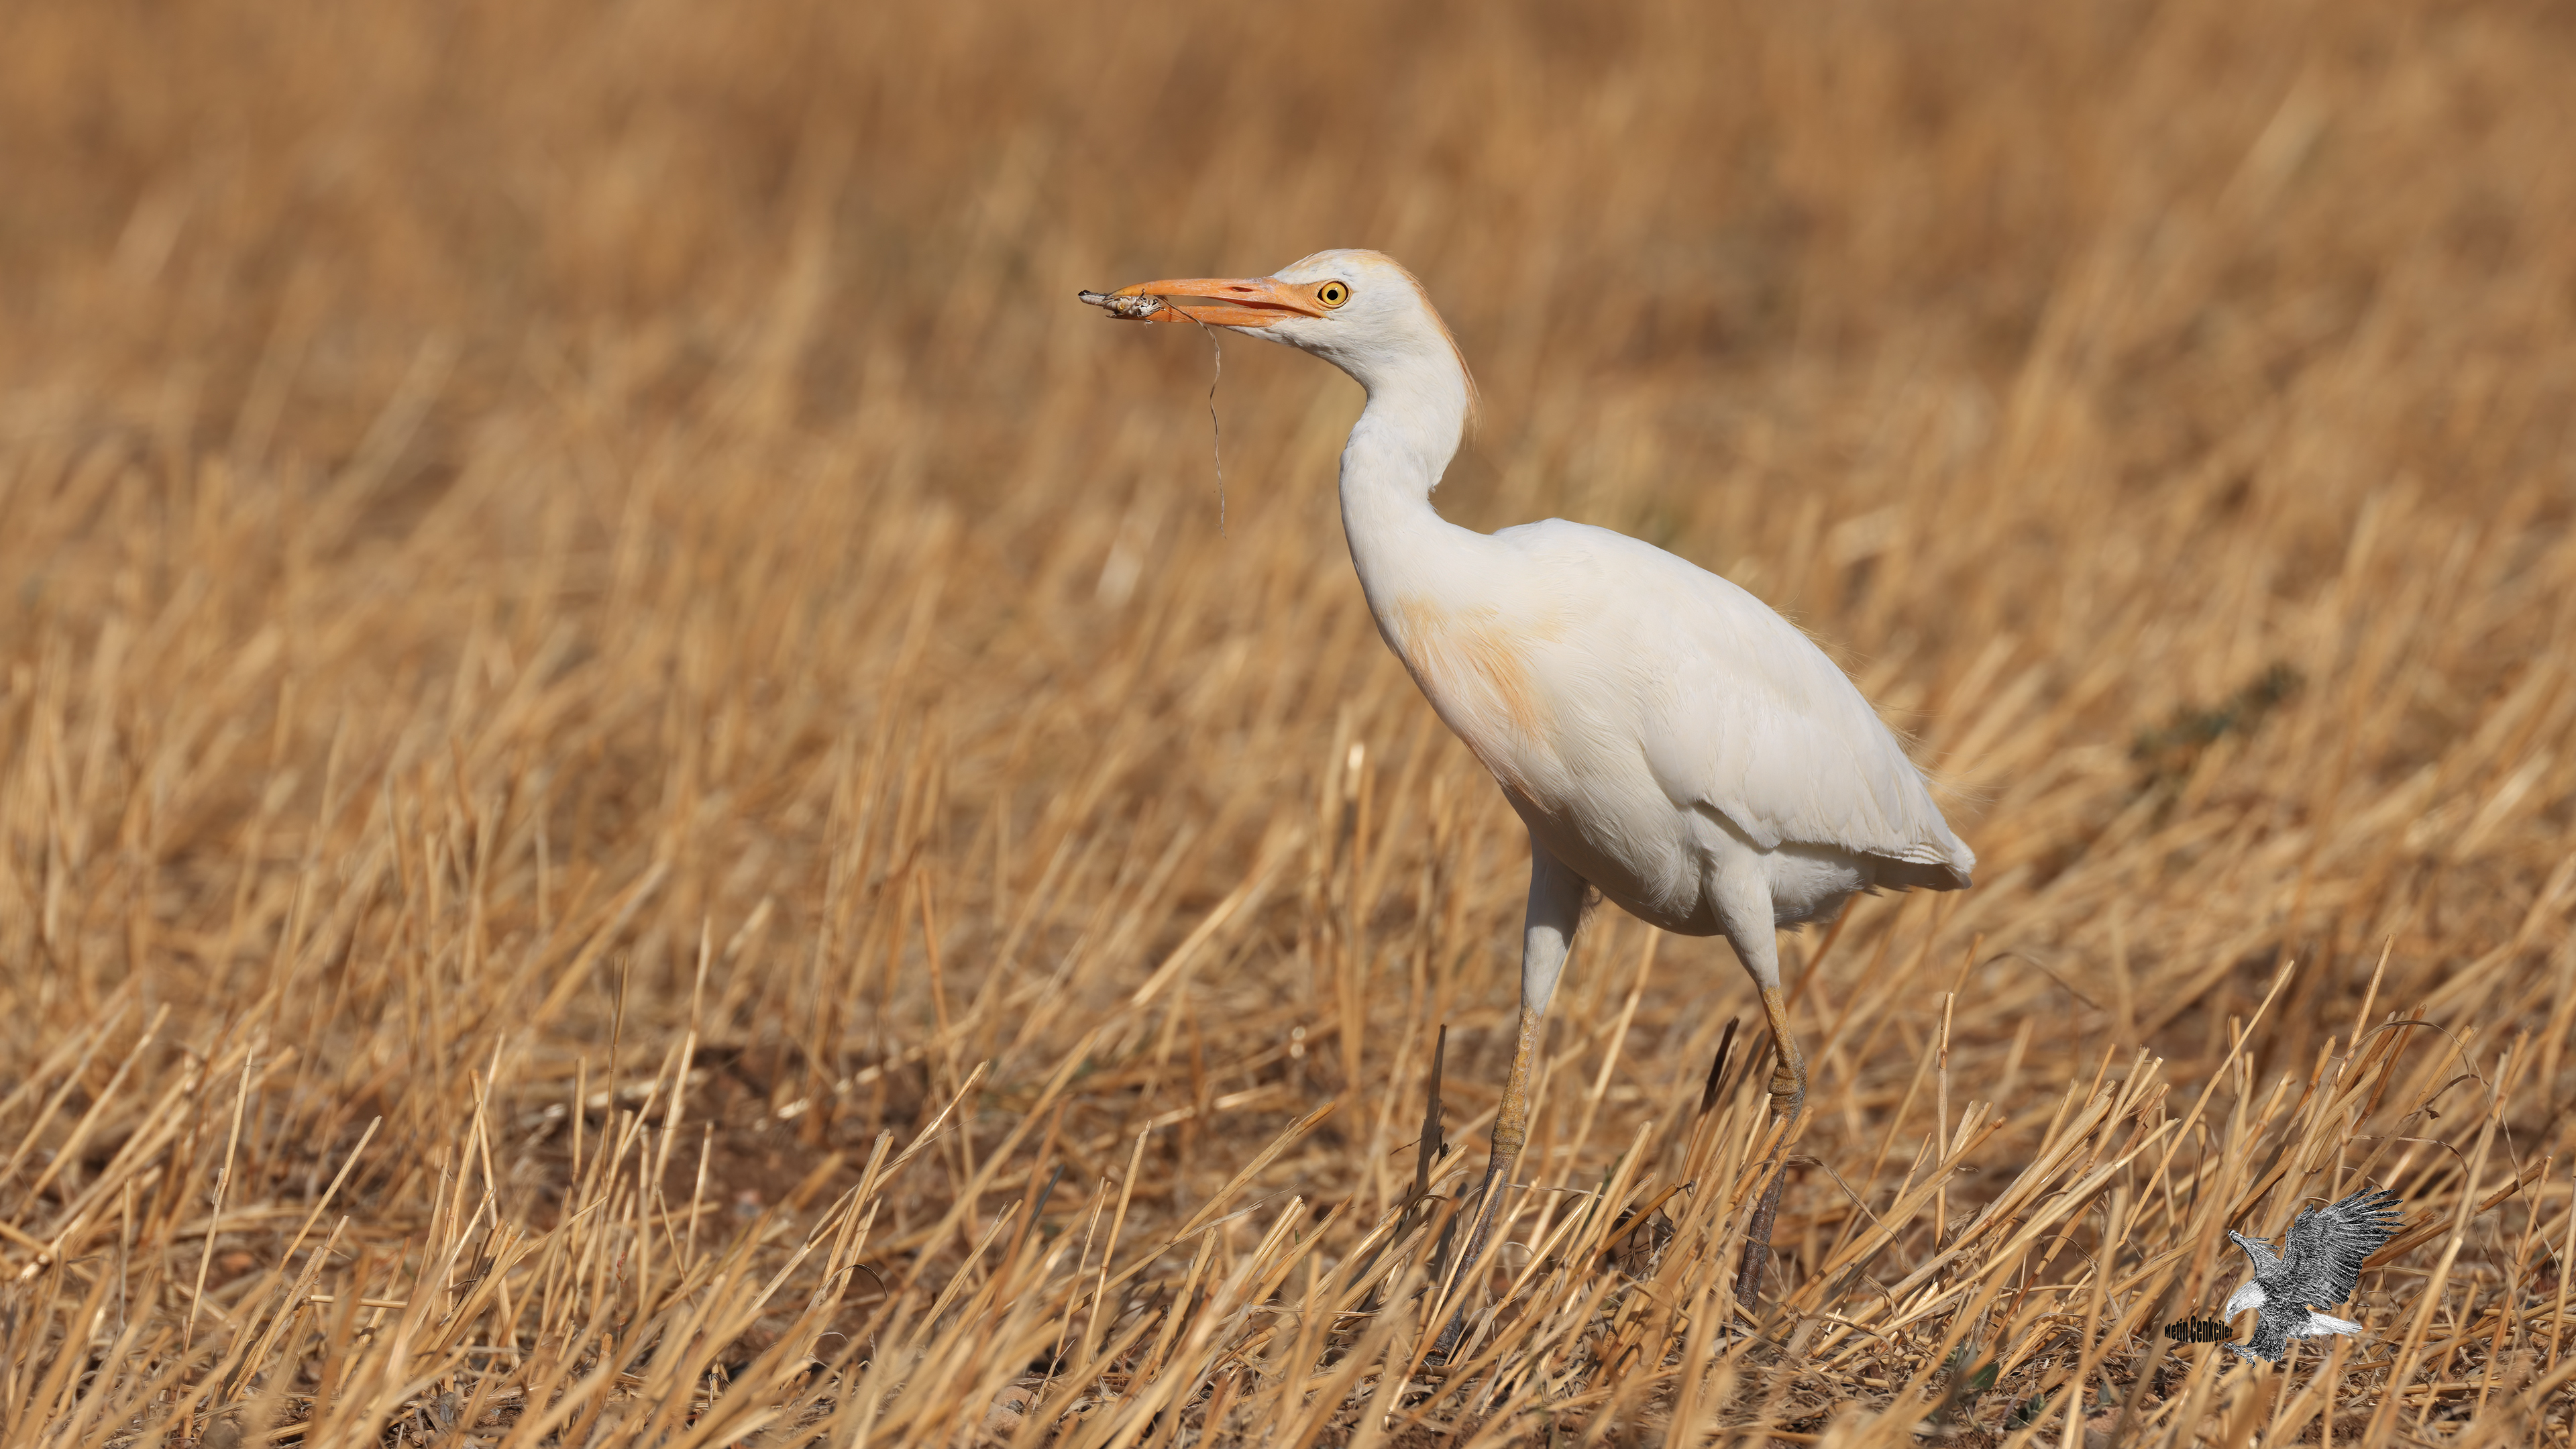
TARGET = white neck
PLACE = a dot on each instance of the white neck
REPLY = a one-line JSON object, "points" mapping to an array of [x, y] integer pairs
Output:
{"points": [[1402, 443]]}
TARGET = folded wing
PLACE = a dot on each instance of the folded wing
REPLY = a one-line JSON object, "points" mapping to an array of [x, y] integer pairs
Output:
{"points": [[1746, 717]]}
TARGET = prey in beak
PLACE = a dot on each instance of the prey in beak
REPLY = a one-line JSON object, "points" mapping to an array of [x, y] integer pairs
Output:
{"points": [[1218, 302]]}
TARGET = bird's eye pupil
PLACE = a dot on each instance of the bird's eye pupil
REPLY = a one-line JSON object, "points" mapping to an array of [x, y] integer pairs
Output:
{"points": [[1333, 294]]}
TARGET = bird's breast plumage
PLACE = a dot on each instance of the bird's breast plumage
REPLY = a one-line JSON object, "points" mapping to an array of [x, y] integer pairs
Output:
{"points": [[1478, 670], [1506, 679]]}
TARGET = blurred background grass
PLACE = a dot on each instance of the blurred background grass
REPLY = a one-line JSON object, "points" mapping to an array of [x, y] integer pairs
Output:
{"points": [[495, 495]]}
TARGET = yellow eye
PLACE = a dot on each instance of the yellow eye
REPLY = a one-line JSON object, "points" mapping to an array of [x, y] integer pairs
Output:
{"points": [[1332, 294]]}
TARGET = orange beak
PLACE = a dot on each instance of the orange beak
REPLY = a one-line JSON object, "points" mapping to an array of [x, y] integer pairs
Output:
{"points": [[1225, 302]]}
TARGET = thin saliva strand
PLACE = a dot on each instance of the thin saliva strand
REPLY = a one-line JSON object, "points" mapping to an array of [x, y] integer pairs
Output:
{"points": [[1216, 430]]}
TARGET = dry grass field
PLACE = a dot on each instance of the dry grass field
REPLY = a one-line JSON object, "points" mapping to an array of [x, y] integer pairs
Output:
{"points": [[641, 802]]}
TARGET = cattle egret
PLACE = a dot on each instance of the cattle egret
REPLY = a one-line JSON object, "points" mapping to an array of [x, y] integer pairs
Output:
{"points": [[1670, 742]]}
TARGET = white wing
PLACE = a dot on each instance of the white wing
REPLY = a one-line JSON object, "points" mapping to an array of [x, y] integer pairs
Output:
{"points": [[1742, 714]]}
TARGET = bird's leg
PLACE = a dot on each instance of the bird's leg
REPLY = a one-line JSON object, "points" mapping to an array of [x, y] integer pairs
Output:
{"points": [[1556, 903], [1788, 1099], [1511, 1134]]}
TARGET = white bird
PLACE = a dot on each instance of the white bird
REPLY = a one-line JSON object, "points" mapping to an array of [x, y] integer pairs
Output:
{"points": [[1669, 741]]}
